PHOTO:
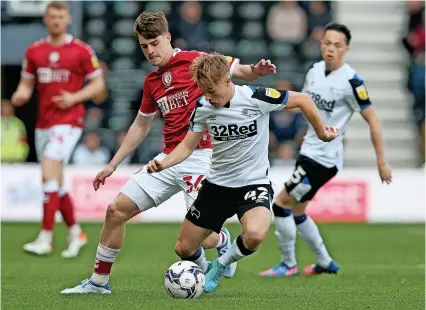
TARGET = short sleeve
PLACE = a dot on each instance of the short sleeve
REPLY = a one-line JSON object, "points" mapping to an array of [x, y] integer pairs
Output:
{"points": [[29, 69], [148, 105], [232, 63], [358, 98], [90, 62], [197, 121], [269, 99]]}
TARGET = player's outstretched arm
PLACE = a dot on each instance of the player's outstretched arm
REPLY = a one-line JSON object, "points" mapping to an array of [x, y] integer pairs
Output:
{"points": [[305, 103], [24, 91], [370, 117], [136, 134], [178, 155], [253, 72]]}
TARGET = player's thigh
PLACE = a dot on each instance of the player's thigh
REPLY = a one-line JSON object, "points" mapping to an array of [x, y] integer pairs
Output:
{"points": [[307, 178], [61, 142], [211, 208], [191, 173], [41, 137], [142, 185], [254, 210], [190, 238]]}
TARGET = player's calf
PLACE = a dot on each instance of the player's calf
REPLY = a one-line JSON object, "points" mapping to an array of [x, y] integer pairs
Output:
{"points": [[188, 246]]}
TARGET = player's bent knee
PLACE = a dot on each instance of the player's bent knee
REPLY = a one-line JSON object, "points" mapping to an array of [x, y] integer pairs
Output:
{"points": [[51, 169], [184, 249], [253, 238], [121, 210]]}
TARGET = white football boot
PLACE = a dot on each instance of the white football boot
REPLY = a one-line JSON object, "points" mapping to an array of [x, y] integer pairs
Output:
{"points": [[74, 246], [88, 287]]}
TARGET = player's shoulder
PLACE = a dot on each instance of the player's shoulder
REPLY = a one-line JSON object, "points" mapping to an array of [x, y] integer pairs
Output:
{"points": [[353, 78], [318, 66], [267, 94], [81, 45], [36, 45], [179, 54]]}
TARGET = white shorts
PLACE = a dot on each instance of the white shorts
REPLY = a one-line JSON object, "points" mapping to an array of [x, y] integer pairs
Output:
{"points": [[57, 142], [186, 177]]}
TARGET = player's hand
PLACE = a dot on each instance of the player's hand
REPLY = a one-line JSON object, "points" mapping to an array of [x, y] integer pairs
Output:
{"points": [[385, 172], [65, 100], [18, 99], [154, 165], [329, 134], [102, 175], [263, 67]]}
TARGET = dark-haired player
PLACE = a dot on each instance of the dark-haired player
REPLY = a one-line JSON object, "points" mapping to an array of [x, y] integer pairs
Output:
{"points": [[338, 92]]}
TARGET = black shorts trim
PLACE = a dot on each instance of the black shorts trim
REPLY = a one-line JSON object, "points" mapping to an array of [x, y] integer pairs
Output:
{"points": [[215, 203], [307, 178]]}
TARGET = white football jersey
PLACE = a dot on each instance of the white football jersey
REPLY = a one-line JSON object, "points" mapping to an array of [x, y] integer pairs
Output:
{"points": [[240, 134], [337, 94]]}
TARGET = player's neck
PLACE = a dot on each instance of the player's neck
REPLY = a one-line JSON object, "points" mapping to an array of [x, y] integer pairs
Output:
{"points": [[231, 92], [57, 39], [333, 67]]}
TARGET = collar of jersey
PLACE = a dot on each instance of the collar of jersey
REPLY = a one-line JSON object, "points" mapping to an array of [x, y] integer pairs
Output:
{"points": [[68, 39]]}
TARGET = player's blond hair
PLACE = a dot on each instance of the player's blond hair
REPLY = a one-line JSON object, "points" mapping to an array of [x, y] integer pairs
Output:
{"points": [[150, 25], [59, 5], [208, 70]]}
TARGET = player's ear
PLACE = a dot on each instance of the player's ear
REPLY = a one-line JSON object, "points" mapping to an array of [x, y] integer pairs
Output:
{"points": [[169, 37]]}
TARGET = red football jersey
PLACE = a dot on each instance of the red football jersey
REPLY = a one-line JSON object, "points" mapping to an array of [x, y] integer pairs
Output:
{"points": [[172, 89], [57, 68]]}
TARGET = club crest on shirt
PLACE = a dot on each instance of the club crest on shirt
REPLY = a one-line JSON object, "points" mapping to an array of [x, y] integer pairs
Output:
{"points": [[167, 79], [250, 112], [273, 93], [54, 57]]}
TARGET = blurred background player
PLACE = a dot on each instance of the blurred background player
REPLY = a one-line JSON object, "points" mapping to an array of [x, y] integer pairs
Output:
{"points": [[14, 145], [236, 183], [58, 66], [338, 92], [171, 89]]}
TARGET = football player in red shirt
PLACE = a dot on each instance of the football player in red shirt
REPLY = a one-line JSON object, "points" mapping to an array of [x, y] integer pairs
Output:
{"points": [[171, 89], [58, 66]]}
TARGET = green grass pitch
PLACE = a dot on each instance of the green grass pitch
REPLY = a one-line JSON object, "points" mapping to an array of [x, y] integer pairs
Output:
{"points": [[382, 267]]}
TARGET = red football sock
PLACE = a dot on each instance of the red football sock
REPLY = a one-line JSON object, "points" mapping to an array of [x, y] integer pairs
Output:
{"points": [[50, 206], [67, 209]]}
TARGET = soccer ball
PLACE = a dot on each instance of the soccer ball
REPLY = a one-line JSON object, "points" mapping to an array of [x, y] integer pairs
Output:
{"points": [[184, 279]]}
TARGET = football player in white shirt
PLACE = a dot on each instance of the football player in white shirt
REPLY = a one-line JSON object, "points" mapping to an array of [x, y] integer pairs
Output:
{"points": [[237, 118], [338, 92]]}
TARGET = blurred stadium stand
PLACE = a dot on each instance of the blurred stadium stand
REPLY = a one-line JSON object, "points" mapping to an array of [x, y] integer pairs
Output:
{"points": [[241, 29]]}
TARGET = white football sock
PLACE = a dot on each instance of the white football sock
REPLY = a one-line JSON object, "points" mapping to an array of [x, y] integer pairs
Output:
{"points": [[74, 231], [202, 261], [236, 252], [45, 236], [106, 255], [310, 233], [286, 235], [221, 240]]}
